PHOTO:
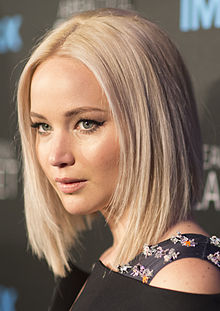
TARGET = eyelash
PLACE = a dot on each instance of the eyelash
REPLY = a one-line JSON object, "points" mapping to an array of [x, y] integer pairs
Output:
{"points": [[93, 129], [97, 124], [37, 125]]}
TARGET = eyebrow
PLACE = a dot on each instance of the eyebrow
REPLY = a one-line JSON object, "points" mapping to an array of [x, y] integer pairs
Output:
{"points": [[70, 113]]}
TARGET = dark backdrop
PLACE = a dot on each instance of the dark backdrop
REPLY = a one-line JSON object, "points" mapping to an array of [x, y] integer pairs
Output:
{"points": [[194, 25]]}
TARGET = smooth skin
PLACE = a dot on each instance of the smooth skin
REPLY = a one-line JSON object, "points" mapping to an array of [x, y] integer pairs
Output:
{"points": [[76, 138]]}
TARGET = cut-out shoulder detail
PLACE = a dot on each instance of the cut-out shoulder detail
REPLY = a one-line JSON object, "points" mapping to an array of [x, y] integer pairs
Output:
{"points": [[180, 273], [110, 290], [185, 262], [192, 275]]}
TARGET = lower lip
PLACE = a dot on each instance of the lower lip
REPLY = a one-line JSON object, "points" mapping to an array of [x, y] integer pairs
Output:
{"points": [[71, 187]]}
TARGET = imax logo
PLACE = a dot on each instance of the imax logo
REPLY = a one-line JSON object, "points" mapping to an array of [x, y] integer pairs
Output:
{"points": [[195, 14], [10, 39]]}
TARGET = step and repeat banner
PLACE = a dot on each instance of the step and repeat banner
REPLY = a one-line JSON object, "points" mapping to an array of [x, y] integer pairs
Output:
{"points": [[194, 25]]}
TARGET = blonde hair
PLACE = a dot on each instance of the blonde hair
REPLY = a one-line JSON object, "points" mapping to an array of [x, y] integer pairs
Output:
{"points": [[150, 95]]}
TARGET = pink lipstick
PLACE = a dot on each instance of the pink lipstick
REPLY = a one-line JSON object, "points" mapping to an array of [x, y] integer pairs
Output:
{"points": [[70, 185]]}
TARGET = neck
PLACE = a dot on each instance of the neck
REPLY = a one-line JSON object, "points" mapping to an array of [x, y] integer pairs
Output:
{"points": [[117, 231]]}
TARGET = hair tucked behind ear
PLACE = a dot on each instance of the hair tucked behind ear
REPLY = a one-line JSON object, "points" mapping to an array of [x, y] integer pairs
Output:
{"points": [[150, 95]]}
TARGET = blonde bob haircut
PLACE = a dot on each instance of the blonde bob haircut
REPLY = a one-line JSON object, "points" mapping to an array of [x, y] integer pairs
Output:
{"points": [[152, 103]]}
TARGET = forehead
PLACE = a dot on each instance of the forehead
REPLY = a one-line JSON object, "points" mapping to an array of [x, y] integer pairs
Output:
{"points": [[66, 81]]}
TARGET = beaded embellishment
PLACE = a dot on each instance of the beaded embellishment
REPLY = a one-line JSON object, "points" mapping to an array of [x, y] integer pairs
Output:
{"points": [[179, 238], [214, 240], [215, 258], [144, 267], [145, 273], [169, 254], [124, 268], [159, 252]]}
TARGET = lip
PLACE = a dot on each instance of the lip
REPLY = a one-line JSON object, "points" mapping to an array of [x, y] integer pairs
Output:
{"points": [[70, 185]]}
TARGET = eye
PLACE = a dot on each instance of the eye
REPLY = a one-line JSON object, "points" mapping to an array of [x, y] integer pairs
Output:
{"points": [[88, 126], [41, 127]]}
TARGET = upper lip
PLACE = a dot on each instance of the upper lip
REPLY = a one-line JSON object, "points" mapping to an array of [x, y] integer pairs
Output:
{"points": [[66, 180]]}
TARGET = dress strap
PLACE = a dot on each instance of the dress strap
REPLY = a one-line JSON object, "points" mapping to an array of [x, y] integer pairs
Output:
{"points": [[146, 265]]}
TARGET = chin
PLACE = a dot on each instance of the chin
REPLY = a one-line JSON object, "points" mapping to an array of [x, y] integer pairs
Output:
{"points": [[75, 206]]}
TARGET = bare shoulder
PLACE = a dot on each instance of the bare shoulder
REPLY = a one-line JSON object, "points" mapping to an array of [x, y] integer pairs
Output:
{"points": [[192, 275]]}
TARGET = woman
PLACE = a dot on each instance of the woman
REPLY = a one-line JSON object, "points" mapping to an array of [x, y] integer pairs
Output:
{"points": [[108, 123]]}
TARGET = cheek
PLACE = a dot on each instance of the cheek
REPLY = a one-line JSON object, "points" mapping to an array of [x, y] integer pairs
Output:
{"points": [[102, 156], [42, 156]]}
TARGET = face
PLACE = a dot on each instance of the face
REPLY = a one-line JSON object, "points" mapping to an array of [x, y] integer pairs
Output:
{"points": [[76, 140]]}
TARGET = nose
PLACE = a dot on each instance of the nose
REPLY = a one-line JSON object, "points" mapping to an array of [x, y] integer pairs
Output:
{"points": [[61, 154]]}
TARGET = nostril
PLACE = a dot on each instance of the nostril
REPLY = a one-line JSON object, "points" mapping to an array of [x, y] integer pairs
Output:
{"points": [[62, 165], [62, 159]]}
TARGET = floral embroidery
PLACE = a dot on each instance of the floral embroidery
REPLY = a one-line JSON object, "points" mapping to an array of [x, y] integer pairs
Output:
{"points": [[215, 258], [143, 272], [145, 279], [124, 268], [214, 240], [172, 255], [179, 238], [149, 250], [159, 252]]}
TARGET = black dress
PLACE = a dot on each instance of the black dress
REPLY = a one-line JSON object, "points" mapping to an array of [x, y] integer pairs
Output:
{"points": [[129, 289]]}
